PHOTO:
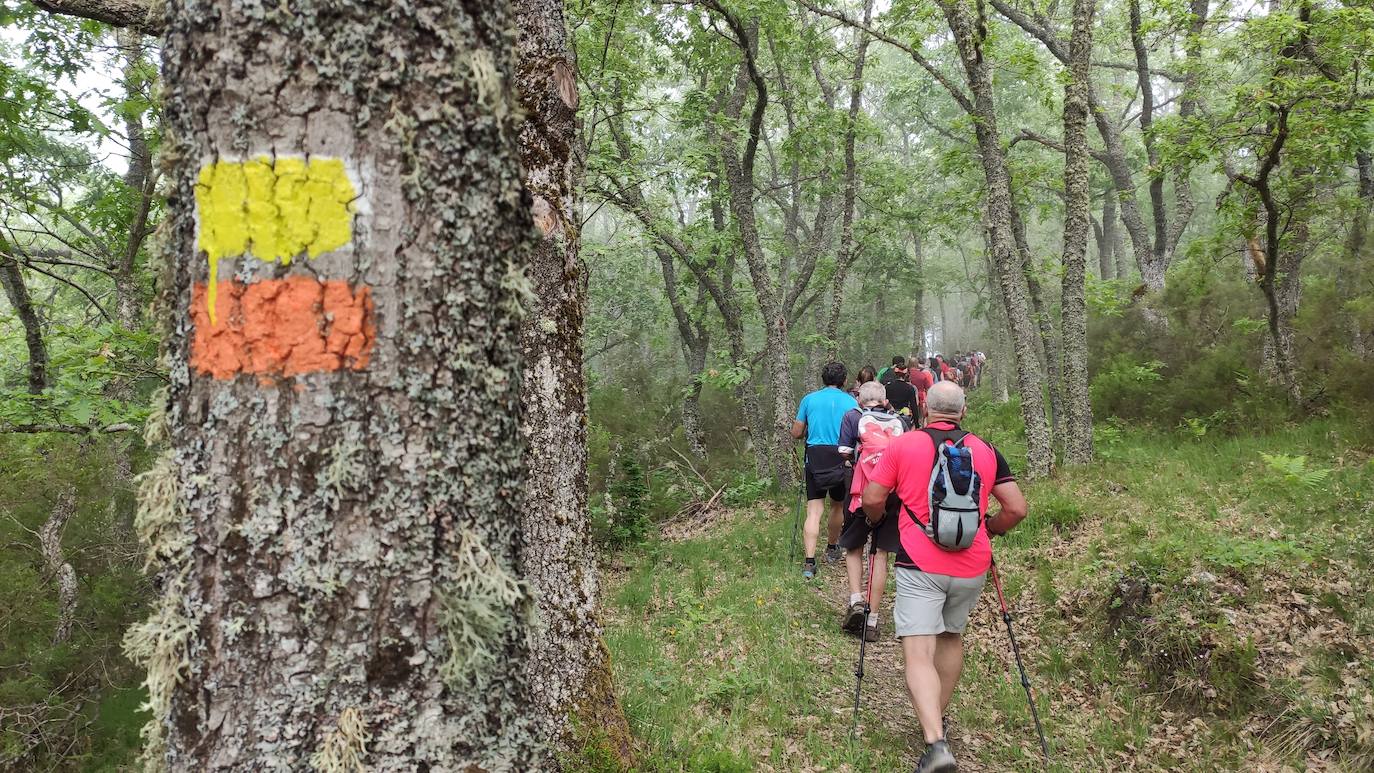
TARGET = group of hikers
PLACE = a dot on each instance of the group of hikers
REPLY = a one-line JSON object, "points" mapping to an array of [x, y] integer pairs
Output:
{"points": [[904, 480]]}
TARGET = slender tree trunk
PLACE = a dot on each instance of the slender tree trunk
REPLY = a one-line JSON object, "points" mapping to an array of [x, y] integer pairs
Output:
{"points": [[918, 294], [691, 402], [944, 325], [968, 36], [999, 350], [140, 177], [1357, 260], [338, 520], [17, 292], [845, 256], [1049, 349], [1078, 418], [570, 671], [1112, 257], [1104, 258], [739, 178], [57, 566]]}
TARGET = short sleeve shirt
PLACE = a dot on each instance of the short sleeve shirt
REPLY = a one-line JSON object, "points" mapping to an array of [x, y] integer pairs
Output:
{"points": [[822, 411], [905, 468], [923, 381]]}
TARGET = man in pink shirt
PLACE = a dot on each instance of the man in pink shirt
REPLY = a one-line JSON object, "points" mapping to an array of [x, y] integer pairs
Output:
{"points": [[937, 587]]}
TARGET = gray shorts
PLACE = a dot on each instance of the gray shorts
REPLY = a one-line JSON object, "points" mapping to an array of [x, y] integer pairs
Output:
{"points": [[928, 604]]}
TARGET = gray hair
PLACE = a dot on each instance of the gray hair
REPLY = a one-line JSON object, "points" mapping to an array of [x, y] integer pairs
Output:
{"points": [[945, 398], [872, 392]]}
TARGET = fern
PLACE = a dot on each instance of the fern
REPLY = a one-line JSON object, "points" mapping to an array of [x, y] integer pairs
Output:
{"points": [[1294, 470]]}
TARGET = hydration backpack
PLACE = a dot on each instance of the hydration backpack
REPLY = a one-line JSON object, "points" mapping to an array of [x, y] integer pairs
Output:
{"points": [[955, 496]]}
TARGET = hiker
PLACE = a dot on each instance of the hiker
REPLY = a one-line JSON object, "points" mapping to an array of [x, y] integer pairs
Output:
{"points": [[889, 373], [937, 585], [866, 374], [901, 395], [921, 379], [864, 434], [818, 420]]}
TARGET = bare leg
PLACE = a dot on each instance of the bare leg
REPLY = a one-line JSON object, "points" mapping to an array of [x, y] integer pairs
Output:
{"points": [[835, 524], [879, 585], [854, 567], [812, 529], [949, 662], [923, 683]]}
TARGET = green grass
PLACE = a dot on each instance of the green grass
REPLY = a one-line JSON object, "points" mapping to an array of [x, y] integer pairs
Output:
{"points": [[1250, 643]]}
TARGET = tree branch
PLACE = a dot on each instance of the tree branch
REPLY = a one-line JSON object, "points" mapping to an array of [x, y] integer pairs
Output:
{"points": [[142, 15]]}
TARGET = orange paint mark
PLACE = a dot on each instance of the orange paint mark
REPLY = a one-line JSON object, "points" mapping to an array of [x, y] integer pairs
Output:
{"points": [[282, 327]]}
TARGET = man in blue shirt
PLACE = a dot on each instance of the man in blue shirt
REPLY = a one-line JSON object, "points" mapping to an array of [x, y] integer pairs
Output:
{"points": [[818, 420]]}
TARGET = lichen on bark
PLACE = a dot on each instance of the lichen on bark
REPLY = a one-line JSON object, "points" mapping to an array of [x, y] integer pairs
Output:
{"points": [[312, 562]]}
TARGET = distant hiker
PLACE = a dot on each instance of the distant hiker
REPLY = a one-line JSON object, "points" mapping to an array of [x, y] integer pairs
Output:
{"points": [[937, 368], [922, 380], [866, 374], [901, 395], [889, 373], [938, 584], [864, 434], [818, 420]]}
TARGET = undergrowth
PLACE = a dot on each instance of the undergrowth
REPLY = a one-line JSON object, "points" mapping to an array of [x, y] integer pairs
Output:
{"points": [[1196, 600]]}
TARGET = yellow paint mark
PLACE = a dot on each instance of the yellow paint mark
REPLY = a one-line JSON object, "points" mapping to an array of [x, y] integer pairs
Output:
{"points": [[273, 210]]}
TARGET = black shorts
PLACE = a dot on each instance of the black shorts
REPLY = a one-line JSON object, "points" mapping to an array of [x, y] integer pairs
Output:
{"points": [[885, 537], [827, 474]]}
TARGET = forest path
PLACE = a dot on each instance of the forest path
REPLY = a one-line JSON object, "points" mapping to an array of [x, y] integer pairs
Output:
{"points": [[884, 701]]}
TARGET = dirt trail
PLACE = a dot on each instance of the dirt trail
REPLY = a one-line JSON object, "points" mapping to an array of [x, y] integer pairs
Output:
{"points": [[885, 702]]}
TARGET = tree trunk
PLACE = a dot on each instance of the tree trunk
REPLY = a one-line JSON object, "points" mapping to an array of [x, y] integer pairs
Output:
{"points": [[739, 179], [17, 292], [56, 564], [845, 256], [918, 292], [999, 351], [338, 520], [1049, 349], [1356, 262], [1112, 258], [140, 177], [1078, 418], [968, 36], [944, 325], [1104, 259], [570, 673]]}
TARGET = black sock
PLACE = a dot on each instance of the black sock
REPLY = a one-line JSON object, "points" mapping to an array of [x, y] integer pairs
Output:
{"points": [[831, 546], [811, 560]]}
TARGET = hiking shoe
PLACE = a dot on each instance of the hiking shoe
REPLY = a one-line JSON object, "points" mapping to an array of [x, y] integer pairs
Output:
{"points": [[833, 554], [854, 617], [808, 571], [937, 759], [871, 632]]}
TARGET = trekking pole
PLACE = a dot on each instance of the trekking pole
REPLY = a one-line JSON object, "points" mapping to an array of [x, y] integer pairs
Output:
{"points": [[863, 642], [1016, 652]]}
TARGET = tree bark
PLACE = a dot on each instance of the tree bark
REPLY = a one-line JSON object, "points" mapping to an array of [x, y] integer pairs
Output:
{"points": [[140, 177], [56, 564], [738, 160], [338, 520], [1356, 262], [968, 34], [1110, 257], [1078, 420], [845, 256], [17, 292], [918, 292], [570, 672]]}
